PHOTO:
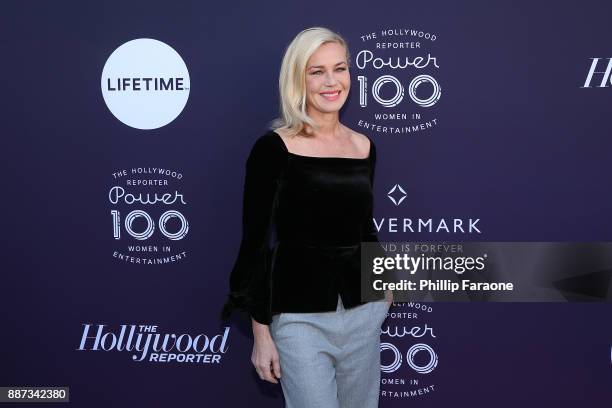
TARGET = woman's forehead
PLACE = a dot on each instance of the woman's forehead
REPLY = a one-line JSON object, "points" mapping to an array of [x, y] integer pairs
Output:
{"points": [[327, 54]]}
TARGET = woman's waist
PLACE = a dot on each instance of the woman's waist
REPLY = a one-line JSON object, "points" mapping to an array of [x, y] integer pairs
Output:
{"points": [[320, 236], [307, 254], [329, 245]]}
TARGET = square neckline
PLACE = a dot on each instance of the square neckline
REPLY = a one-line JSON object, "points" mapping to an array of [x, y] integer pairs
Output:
{"points": [[324, 157]]}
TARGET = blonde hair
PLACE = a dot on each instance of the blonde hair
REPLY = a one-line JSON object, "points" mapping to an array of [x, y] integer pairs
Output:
{"points": [[292, 78]]}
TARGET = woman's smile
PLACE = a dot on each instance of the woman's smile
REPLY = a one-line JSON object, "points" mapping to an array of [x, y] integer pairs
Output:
{"points": [[331, 95]]}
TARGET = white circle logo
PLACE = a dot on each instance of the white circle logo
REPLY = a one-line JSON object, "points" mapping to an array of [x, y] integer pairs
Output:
{"points": [[145, 83]]}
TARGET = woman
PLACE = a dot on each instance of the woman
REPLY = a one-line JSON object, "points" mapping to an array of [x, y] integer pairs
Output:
{"points": [[309, 181]]}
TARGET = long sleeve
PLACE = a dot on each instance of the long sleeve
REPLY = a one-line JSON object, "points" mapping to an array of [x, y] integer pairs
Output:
{"points": [[250, 276], [369, 231]]}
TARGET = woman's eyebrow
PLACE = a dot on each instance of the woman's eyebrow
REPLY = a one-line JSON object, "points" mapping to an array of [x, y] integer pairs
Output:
{"points": [[322, 66]]}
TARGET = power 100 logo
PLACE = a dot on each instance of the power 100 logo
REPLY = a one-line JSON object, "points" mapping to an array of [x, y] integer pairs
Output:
{"points": [[408, 352], [399, 88]]}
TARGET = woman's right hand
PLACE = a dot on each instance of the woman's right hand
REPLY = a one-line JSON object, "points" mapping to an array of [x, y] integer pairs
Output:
{"points": [[265, 356]]}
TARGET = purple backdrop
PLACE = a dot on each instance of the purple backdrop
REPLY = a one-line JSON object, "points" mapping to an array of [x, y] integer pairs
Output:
{"points": [[518, 144]]}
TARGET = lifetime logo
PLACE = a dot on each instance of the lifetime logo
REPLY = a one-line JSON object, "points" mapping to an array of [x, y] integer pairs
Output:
{"points": [[145, 84], [605, 80]]}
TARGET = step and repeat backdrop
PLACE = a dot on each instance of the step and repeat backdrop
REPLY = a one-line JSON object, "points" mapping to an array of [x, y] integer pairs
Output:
{"points": [[125, 131]]}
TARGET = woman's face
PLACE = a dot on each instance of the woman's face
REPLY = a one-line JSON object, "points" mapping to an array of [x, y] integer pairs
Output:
{"points": [[327, 78]]}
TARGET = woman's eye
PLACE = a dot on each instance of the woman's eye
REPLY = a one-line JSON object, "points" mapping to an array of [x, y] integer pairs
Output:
{"points": [[320, 72]]}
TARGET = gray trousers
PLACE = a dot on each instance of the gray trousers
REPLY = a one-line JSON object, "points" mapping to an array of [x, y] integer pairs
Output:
{"points": [[330, 359]]}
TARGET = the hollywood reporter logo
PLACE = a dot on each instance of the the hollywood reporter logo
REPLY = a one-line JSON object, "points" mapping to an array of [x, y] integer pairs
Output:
{"points": [[146, 343], [596, 65]]}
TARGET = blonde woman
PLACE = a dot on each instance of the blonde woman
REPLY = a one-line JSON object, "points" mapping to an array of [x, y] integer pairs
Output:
{"points": [[309, 183]]}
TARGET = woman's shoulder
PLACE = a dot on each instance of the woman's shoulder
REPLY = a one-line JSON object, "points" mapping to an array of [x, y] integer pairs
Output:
{"points": [[267, 152], [268, 144], [364, 142]]}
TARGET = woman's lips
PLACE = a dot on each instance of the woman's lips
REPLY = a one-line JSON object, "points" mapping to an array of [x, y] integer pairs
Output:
{"points": [[331, 96]]}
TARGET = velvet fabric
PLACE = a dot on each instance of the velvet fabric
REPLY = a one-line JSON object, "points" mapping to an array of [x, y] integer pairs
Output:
{"points": [[304, 219]]}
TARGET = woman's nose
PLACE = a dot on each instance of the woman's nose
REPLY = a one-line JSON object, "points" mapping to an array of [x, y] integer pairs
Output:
{"points": [[330, 79]]}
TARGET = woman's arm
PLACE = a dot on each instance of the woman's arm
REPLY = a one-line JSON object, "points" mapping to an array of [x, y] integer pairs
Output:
{"points": [[369, 233], [249, 279]]}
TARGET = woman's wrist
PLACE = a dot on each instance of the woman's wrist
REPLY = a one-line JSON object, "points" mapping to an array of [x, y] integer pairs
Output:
{"points": [[260, 329]]}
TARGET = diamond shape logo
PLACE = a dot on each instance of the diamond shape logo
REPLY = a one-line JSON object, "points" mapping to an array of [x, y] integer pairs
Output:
{"points": [[397, 194]]}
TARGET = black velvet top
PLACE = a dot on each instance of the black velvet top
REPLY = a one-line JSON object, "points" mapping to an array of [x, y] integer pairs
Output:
{"points": [[304, 218]]}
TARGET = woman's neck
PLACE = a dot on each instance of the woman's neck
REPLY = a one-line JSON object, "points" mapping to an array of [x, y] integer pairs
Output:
{"points": [[328, 125]]}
